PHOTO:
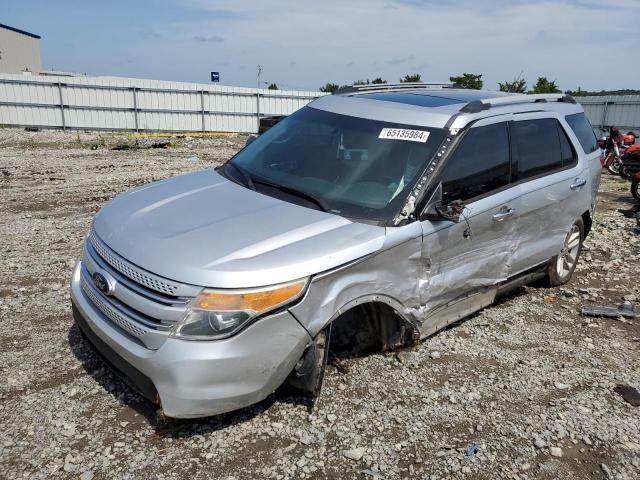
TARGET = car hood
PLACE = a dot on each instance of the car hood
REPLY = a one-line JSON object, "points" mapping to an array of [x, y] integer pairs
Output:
{"points": [[203, 229]]}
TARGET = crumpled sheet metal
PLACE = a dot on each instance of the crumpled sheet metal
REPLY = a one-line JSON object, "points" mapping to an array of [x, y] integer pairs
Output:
{"points": [[389, 276], [464, 267], [404, 276]]}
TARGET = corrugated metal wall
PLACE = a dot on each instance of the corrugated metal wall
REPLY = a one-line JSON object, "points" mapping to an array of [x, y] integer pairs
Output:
{"points": [[113, 103], [622, 111]]}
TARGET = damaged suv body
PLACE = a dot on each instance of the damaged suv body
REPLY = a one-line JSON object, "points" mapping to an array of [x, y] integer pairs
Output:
{"points": [[386, 212]]}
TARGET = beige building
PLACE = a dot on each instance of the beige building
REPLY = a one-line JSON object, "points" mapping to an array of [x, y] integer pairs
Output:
{"points": [[19, 51]]}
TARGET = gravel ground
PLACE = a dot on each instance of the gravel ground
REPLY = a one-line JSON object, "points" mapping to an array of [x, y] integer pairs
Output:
{"points": [[523, 389]]}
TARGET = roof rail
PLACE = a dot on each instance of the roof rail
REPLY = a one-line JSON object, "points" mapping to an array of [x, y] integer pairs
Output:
{"points": [[385, 87], [485, 104]]}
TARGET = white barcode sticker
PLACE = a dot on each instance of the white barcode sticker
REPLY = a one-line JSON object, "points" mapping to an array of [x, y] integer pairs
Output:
{"points": [[404, 134]]}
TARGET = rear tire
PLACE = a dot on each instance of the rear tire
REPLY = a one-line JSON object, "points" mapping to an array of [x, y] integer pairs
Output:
{"points": [[624, 174], [614, 168], [562, 266], [635, 189]]}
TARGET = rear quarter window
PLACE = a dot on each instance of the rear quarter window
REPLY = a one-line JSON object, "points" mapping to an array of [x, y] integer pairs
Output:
{"points": [[584, 131], [569, 157]]}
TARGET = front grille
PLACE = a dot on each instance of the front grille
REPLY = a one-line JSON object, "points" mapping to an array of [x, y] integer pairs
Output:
{"points": [[141, 304], [131, 271], [110, 312]]}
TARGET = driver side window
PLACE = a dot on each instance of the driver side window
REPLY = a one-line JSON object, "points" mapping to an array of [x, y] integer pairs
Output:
{"points": [[480, 164]]}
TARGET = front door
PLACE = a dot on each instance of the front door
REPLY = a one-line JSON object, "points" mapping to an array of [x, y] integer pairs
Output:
{"points": [[468, 259]]}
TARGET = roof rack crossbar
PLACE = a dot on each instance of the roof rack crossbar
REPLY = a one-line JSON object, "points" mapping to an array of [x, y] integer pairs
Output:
{"points": [[485, 104], [385, 87]]}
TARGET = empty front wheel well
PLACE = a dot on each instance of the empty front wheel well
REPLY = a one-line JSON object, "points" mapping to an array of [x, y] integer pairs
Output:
{"points": [[365, 328], [369, 327]]}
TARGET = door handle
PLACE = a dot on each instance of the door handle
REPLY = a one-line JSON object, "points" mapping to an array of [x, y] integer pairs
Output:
{"points": [[577, 183], [503, 213]]}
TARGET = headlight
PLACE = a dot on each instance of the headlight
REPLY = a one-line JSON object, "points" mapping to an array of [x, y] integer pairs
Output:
{"points": [[216, 314]]}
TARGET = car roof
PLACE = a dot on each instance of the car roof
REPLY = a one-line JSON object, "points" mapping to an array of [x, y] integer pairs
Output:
{"points": [[433, 97], [437, 107]]}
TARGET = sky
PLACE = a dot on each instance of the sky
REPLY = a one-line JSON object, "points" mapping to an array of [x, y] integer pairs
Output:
{"points": [[303, 44]]}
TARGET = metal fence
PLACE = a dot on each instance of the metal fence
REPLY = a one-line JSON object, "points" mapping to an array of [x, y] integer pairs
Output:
{"points": [[112, 103], [622, 111], [115, 103]]}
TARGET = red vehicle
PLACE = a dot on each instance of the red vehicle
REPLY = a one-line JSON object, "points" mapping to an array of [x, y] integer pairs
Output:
{"points": [[630, 162], [615, 147], [611, 159], [630, 168], [629, 138]]}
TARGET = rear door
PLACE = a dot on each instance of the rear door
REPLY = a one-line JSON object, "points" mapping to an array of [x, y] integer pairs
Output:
{"points": [[552, 185], [468, 259], [584, 139]]}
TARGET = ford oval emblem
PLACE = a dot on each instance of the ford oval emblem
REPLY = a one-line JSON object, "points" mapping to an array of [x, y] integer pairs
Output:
{"points": [[104, 282]]}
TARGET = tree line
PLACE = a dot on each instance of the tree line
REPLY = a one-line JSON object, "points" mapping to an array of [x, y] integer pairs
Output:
{"points": [[474, 81]]}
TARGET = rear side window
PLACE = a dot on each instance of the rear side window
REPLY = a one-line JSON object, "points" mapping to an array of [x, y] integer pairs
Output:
{"points": [[479, 165], [569, 157], [538, 146], [584, 131]]}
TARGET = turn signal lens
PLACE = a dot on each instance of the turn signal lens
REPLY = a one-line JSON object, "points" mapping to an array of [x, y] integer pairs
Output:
{"points": [[218, 314], [257, 301]]}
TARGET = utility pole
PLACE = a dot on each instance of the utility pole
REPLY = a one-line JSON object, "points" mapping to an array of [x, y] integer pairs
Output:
{"points": [[258, 97]]}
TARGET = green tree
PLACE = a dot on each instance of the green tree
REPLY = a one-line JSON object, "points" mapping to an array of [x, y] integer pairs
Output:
{"points": [[468, 80], [584, 93], [518, 85], [375, 81], [545, 86], [272, 86], [329, 87], [411, 78]]}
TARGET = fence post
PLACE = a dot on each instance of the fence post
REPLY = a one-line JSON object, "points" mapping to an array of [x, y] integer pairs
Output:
{"points": [[202, 109], [604, 113], [64, 124], [135, 107], [258, 109]]}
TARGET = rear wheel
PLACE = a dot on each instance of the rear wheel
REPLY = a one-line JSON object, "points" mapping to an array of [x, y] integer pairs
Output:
{"points": [[635, 189], [624, 173], [614, 168], [563, 265]]}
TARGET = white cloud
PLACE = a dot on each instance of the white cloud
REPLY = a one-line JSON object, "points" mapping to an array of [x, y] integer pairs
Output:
{"points": [[304, 44]]}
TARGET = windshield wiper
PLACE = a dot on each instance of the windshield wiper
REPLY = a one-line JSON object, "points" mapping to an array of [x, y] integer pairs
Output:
{"points": [[297, 193], [245, 176]]}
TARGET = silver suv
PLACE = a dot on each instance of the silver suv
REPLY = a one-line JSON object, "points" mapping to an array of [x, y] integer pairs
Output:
{"points": [[373, 217]]}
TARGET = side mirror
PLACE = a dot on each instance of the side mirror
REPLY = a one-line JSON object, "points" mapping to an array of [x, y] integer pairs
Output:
{"points": [[435, 210], [250, 139]]}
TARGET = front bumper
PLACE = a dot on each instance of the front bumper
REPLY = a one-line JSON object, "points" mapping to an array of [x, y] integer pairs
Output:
{"points": [[196, 379]]}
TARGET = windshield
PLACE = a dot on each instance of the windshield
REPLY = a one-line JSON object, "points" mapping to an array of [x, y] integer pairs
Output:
{"points": [[350, 166]]}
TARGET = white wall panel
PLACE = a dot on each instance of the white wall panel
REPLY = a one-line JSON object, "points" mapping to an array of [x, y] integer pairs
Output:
{"points": [[622, 111], [108, 103]]}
